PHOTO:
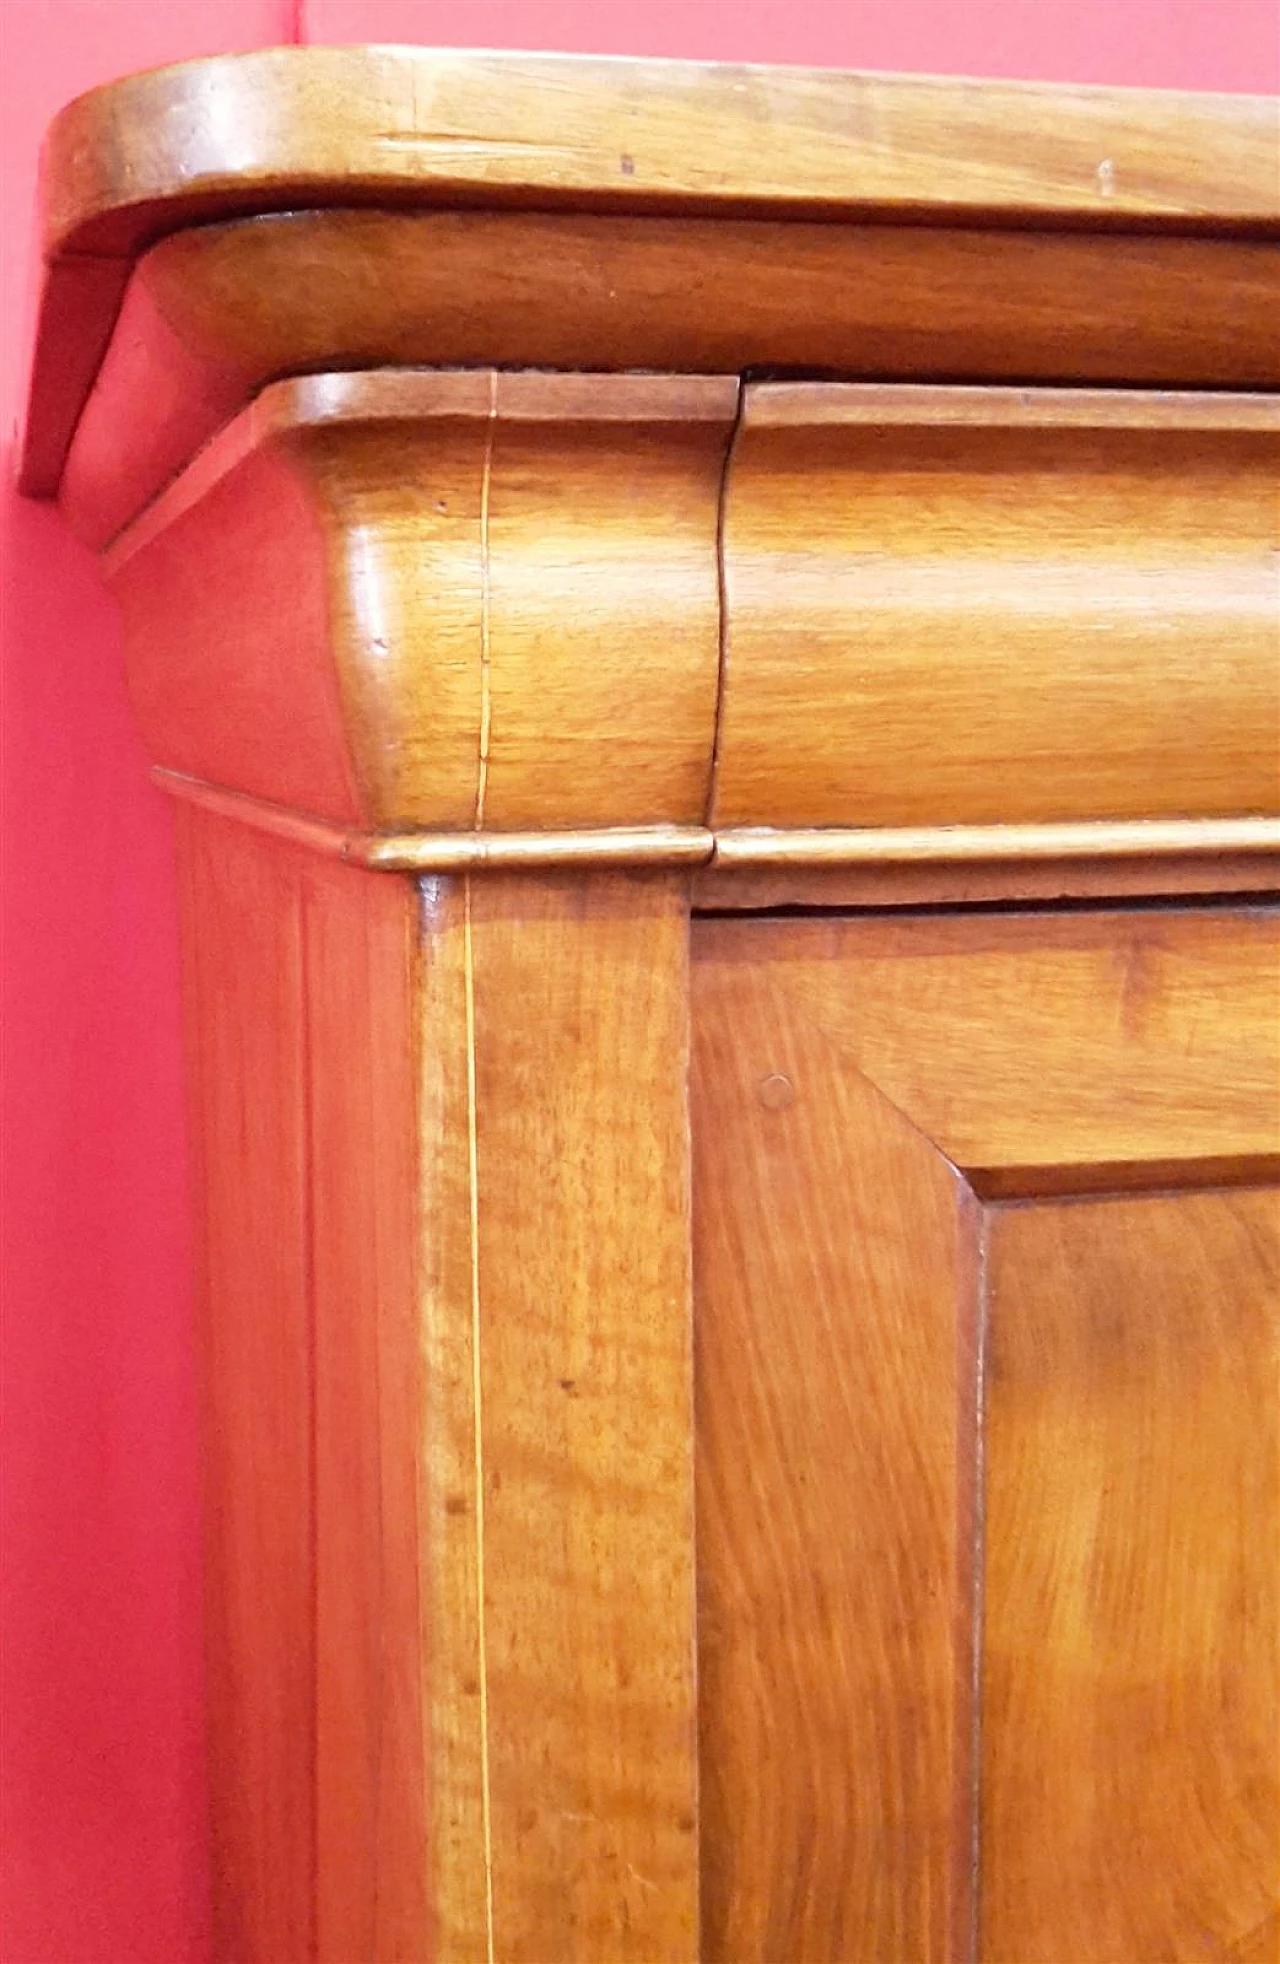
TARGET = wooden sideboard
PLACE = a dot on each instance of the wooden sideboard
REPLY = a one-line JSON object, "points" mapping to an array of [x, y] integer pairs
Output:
{"points": [[715, 638]]}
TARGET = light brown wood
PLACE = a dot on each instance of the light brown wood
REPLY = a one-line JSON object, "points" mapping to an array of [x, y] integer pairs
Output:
{"points": [[755, 870], [301, 989], [214, 313], [296, 123], [484, 622], [987, 1492], [833, 1252], [558, 1534], [504, 602], [1173, 1004], [936, 670], [1002, 612], [559, 180], [801, 405], [1131, 1607], [247, 1072], [720, 886], [580, 1017], [377, 1697], [451, 852], [445, 1282], [893, 846]]}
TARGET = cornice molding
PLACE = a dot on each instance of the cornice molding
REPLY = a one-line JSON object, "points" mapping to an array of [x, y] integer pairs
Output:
{"points": [[281, 128], [446, 525], [539, 619], [444, 208], [889, 848]]}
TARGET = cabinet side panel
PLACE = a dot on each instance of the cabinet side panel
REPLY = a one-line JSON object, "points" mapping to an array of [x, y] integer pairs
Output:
{"points": [[243, 937], [371, 1853], [1133, 1594], [835, 1258], [227, 643]]}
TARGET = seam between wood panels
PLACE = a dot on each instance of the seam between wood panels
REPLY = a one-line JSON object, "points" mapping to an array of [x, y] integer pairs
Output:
{"points": [[486, 661], [978, 1597], [417, 928], [477, 1422], [380, 1699], [722, 607], [308, 1182]]}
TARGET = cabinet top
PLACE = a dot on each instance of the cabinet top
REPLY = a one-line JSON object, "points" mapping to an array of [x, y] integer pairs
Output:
{"points": [[265, 131], [302, 130]]}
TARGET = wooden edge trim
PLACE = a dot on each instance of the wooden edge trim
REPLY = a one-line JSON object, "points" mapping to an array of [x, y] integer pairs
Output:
{"points": [[380, 395], [695, 845], [520, 395], [1122, 1176], [400, 395], [146, 152], [1174, 878], [288, 129], [954, 844], [449, 852], [806, 405]]}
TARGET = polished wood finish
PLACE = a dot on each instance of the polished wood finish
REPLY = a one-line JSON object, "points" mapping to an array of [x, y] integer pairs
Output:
{"points": [[641, 619], [377, 1700], [489, 614], [214, 313], [139, 155], [1176, 1006], [300, 982], [987, 1491], [938, 602], [445, 1292], [1131, 1614], [247, 1071], [580, 1024], [456, 852], [575, 212], [564, 529], [832, 1247], [722, 883]]}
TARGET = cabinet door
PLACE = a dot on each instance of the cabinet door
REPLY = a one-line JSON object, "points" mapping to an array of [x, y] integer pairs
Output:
{"points": [[987, 1245]]}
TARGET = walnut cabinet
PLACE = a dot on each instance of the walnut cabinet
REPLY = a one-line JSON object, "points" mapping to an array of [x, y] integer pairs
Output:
{"points": [[714, 638]]}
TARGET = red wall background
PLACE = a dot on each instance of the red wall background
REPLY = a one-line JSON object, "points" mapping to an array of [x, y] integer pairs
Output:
{"points": [[102, 1828]]}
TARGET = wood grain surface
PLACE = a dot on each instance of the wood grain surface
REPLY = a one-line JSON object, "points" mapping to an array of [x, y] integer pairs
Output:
{"points": [[300, 980], [622, 144], [915, 1602], [376, 1761], [987, 1489], [214, 313], [833, 1258], [724, 883], [441, 1139], [504, 614], [991, 627], [1131, 1779], [247, 1081], [1174, 1004], [963, 608], [584, 1454], [288, 126]]}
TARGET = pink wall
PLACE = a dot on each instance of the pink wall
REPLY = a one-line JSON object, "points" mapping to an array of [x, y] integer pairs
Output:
{"points": [[104, 1857], [1158, 44]]}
